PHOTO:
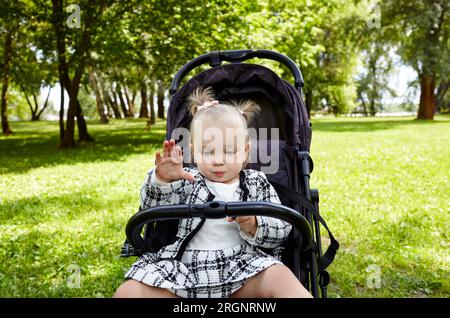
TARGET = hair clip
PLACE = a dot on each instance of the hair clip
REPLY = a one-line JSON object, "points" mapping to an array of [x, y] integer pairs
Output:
{"points": [[207, 104]]}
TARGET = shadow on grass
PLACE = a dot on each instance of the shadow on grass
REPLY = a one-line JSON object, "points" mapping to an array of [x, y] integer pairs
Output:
{"points": [[50, 261], [36, 144], [368, 124], [65, 207]]}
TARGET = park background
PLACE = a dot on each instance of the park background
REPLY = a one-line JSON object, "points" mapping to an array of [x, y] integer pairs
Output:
{"points": [[83, 107]]}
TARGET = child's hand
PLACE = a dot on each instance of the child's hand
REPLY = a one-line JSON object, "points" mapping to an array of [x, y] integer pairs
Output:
{"points": [[169, 166], [247, 223]]}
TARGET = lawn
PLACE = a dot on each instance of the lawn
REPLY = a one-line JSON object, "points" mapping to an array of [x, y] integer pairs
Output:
{"points": [[384, 187]]}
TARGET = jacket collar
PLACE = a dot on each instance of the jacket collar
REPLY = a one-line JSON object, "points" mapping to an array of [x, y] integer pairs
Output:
{"points": [[200, 181]]}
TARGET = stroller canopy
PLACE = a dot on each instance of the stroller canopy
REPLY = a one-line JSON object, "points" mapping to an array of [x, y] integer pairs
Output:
{"points": [[281, 105]]}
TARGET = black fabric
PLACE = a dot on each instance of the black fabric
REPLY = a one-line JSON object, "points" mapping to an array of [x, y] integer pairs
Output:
{"points": [[282, 107], [163, 232], [327, 258], [282, 104]]}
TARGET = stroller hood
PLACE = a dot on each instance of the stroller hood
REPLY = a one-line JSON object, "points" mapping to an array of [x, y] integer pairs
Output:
{"points": [[282, 106]]}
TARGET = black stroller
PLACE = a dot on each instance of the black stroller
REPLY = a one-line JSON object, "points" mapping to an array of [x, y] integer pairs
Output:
{"points": [[282, 107]]}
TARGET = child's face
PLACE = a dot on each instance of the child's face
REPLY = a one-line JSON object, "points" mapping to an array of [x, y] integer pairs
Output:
{"points": [[220, 150]]}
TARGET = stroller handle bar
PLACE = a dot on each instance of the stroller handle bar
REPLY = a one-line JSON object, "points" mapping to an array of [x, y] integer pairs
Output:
{"points": [[214, 210], [216, 58]]}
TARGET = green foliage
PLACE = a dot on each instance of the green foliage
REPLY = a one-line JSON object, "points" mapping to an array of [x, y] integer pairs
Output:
{"points": [[373, 81], [87, 102], [135, 42], [18, 105], [313, 34], [423, 29]]}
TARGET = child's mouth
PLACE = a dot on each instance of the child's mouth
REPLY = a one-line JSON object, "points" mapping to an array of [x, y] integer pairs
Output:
{"points": [[219, 174]]}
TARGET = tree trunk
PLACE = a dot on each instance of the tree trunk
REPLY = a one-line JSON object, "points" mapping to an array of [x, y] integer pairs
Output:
{"points": [[73, 86], [113, 104], [133, 98], [116, 103], [364, 106], [61, 112], [427, 101], [151, 98], [373, 94], [109, 108], [130, 101], [98, 97], [160, 100], [143, 113], [38, 115], [372, 110], [33, 111], [122, 102], [68, 140], [5, 82], [440, 94], [83, 134]]}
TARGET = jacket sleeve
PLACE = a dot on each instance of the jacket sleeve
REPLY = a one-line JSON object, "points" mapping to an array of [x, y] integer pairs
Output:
{"points": [[155, 193], [270, 232]]}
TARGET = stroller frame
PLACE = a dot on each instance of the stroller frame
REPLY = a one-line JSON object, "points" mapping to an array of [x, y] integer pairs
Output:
{"points": [[308, 261]]}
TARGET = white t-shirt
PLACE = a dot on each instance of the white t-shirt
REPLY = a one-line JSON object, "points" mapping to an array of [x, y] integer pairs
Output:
{"points": [[216, 233]]}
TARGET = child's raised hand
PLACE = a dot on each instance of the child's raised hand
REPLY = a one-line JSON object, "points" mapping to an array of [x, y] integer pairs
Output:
{"points": [[247, 223], [169, 165]]}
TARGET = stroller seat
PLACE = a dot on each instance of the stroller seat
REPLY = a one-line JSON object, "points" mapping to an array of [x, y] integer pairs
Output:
{"points": [[283, 130]]}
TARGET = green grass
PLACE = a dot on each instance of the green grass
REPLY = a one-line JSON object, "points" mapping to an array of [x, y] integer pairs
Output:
{"points": [[384, 192]]}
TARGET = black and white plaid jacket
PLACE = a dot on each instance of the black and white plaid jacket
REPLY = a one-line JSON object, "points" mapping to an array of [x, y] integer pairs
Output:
{"points": [[170, 238]]}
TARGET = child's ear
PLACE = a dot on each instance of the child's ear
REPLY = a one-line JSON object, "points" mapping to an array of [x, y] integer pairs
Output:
{"points": [[247, 155], [247, 147]]}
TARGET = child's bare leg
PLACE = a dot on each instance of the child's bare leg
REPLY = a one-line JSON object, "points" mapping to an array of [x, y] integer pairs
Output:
{"points": [[134, 289], [277, 281]]}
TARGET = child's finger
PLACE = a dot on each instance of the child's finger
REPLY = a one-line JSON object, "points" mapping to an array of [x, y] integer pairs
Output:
{"points": [[171, 146], [157, 158], [238, 219], [174, 150], [177, 153], [188, 176], [244, 219], [166, 148]]}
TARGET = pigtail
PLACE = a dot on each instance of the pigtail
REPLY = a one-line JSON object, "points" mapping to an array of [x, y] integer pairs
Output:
{"points": [[199, 97], [248, 108]]}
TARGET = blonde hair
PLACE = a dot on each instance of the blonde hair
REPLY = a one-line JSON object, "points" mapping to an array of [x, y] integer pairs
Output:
{"points": [[245, 110]]}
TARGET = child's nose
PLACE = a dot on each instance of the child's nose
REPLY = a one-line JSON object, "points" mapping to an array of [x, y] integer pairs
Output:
{"points": [[217, 160]]}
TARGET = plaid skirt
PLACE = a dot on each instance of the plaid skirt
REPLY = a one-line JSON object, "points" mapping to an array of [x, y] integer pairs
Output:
{"points": [[202, 273]]}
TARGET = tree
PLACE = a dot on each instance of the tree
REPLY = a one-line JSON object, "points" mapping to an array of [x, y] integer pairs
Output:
{"points": [[373, 82], [441, 96], [80, 42], [421, 29], [31, 73], [99, 98], [12, 18], [5, 80]]}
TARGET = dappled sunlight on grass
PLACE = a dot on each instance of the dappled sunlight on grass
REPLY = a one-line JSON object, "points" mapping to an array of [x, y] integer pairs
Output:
{"points": [[26, 150], [384, 193], [383, 188]]}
